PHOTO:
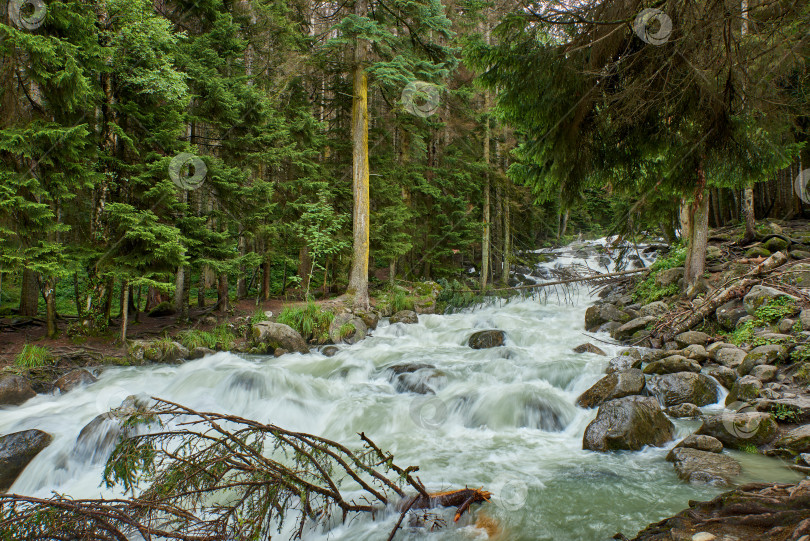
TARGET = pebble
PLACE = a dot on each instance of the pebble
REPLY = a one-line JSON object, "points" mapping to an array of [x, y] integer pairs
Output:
{"points": [[704, 536]]}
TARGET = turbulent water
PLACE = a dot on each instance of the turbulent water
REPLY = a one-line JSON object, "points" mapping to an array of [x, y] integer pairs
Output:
{"points": [[502, 418]]}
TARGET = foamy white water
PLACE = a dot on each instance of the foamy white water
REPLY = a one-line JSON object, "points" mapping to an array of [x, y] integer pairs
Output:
{"points": [[502, 418]]}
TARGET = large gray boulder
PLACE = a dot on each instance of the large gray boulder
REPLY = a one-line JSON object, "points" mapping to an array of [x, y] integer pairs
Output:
{"points": [[628, 423], [587, 347], [486, 339], [767, 354], [73, 379], [671, 365], [731, 357], [725, 375], [347, 328], [796, 440], [683, 387], [278, 335], [740, 429], [692, 337], [729, 314], [599, 314], [621, 363], [745, 389], [704, 467], [14, 390], [616, 385], [657, 308], [16, 451], [629, 328], [759, 295], [702, 443]]}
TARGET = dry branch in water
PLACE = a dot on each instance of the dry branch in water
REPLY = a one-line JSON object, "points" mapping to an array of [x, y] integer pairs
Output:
{"points": [[212, 476]]}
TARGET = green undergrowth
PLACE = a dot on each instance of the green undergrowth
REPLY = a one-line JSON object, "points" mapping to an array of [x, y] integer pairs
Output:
{"points": [[770, 313], [33, 356], [218, 338], [311, 321], [647, 290]]}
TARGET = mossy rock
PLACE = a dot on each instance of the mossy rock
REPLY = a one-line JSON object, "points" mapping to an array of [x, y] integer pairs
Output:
{"points": [[161, 310], [776, 244], [757, 251]]}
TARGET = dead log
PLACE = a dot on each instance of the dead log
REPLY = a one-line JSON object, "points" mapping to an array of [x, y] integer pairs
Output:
{"points": [[734, 291], [460, 499]]}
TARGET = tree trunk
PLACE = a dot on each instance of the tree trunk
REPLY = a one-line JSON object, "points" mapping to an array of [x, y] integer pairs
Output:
{"points": [[50, 306], [183, 312], [153, 298], [699, 232], [179, 284], [265, 293], [358, 277], [76, 296], [124, 310], [241, 281], [223, 302], [486, 233], [507, 238], [201, 289], [392, 272], [29, 294], [304, 267], [750, 219], [564, 226]]}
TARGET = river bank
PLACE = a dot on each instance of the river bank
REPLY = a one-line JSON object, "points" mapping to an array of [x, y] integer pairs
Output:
{"points": [[502, 410], [731, 356]]}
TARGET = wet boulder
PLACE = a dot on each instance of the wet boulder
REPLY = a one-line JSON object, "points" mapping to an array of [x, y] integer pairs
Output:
{"points": [[632, 326], [277, 335], [157, 351], [764, 372], [14, 390], [684, 411], [347, 328], [73, 379], [418, 378], [330, 351], [199, 352], [740, 429], [621, 363], [616, 385], [371, 319], [796, 440], [16, 451], [628, 423], [725, 375], [759, 295], [657, 308], [486, 339], [731, 357], [683, 387], [404, 316], [745, 389], [587, 347], [599, 314], [671, 365], [701, 443], [704, 467], [692, 337], [767, 354]]}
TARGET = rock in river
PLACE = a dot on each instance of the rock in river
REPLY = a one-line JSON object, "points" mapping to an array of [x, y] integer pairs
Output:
{"points": [[404, 316], [486, 339], [616, 385], [16, 451], [587, 347], [739, 429], [14, 390], [704, 467], [672, 364], [628, 423], [74, 378], [278, 335], [683, 387]]}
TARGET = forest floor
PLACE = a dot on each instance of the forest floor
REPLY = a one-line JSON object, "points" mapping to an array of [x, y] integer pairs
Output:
{"points": [[16, 332]]}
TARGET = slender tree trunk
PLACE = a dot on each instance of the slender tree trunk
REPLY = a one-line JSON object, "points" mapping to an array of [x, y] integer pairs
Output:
{"points": [[564, 226], [507, 238], [392, 272], [223, 302], [124, 310], [179, 284], [487, 219], [750, 218], [29, 294], [358, 277], [304, 267], [699, 232], [183, 312], [76, 296], [50, 306], [265, 294], [241, 281], [201, 289]]}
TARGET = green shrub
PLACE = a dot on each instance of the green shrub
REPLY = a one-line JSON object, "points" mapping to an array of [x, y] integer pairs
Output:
{"points": [[219, 338], [33, 356], [786, 413], [311, 321], [769, 313], [453, 297], [648, 291], [399, 300], [776, 309], [750, 449]]}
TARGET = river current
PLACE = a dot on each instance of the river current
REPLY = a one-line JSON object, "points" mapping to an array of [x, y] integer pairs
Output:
{"points": [[502, 418]]}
